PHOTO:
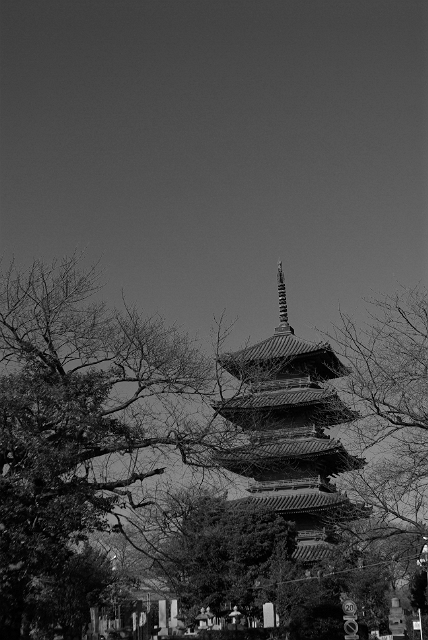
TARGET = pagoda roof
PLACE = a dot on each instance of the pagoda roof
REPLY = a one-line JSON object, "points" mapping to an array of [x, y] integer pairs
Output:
{"points": [[309, 553], [280, 345], [328, 408], [278, 398], [292, 448], [283, 353], [301, 502], [257, 454]]}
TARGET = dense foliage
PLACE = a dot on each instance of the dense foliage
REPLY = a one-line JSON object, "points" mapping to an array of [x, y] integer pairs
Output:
{"points": [[64, 600], [44, 509], [222, 555], [419, 591], [222, 551], [308, 600]]}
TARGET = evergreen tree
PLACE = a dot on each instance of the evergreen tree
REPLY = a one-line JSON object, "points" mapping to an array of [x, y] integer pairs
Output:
{"points": [[419, 591], [222, 552]]}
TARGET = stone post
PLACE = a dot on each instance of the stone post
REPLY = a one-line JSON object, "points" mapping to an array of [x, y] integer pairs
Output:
{"points": [[269, 615], [162, 614], [397, 623], [174, 613]]}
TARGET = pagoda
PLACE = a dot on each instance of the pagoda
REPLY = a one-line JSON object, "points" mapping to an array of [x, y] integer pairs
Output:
{"points": [[284, 410]]}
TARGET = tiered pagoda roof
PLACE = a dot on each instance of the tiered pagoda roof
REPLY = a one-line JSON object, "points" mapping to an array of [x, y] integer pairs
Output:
{"points": [[312, 553], [294, 503], [282, 399], [283, 411], [284, 353], [278, 398], [279, 452]]}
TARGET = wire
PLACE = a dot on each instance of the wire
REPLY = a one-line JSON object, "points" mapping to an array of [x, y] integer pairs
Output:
{"points": [[335, 573]]}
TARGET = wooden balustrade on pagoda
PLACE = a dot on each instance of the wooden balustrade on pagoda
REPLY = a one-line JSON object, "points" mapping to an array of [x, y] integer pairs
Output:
{"points": [[291, 483]]}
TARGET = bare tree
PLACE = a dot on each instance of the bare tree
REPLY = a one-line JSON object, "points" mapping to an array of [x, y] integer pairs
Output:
{"points": [[388, 386]]}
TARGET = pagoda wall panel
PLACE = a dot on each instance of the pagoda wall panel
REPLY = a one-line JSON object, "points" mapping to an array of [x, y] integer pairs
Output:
{"points": [[288, 471]]}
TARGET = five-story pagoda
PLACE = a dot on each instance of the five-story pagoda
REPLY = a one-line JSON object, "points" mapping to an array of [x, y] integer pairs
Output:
{"points": [[284, 410]]}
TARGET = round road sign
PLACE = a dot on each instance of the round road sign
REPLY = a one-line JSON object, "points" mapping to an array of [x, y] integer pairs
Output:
{"points": [[349, 607], [350, 627]]}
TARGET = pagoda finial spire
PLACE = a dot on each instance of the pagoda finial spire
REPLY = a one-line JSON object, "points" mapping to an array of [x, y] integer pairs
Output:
{"points": [[284, 326], [283, 311]]}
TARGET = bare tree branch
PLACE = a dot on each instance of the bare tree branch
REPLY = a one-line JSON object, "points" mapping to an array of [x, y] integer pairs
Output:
{"points": [[388, 385]]}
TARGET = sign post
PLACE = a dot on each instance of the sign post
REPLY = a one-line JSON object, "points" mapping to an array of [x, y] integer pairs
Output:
{"points": [[350, 625]]}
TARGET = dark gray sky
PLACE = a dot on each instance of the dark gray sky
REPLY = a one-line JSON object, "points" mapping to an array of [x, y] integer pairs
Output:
{"points": [[190, 143]]}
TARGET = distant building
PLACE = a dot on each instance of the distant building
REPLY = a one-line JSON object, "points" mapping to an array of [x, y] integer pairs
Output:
{"points": [[284, 409]]}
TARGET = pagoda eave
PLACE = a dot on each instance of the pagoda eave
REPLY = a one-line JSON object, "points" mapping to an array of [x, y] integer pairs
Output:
{"points": [[250, 418], [282, 453], [331, 507], [313, 553], [254, 468], [298, 503], [327, 407], [251, 366]]}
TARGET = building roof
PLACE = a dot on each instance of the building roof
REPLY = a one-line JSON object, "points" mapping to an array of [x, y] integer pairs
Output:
{"points": [[301, 502], [280, 345], [284, 353], [279, 398], [282, 448], [310, 553], [247, 408], [257, 455]]}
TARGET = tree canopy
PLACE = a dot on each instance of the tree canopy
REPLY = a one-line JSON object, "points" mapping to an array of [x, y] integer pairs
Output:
{"points": [[63, 600], [419, 591], [221, 550], [309, 599], [224, 553]]}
